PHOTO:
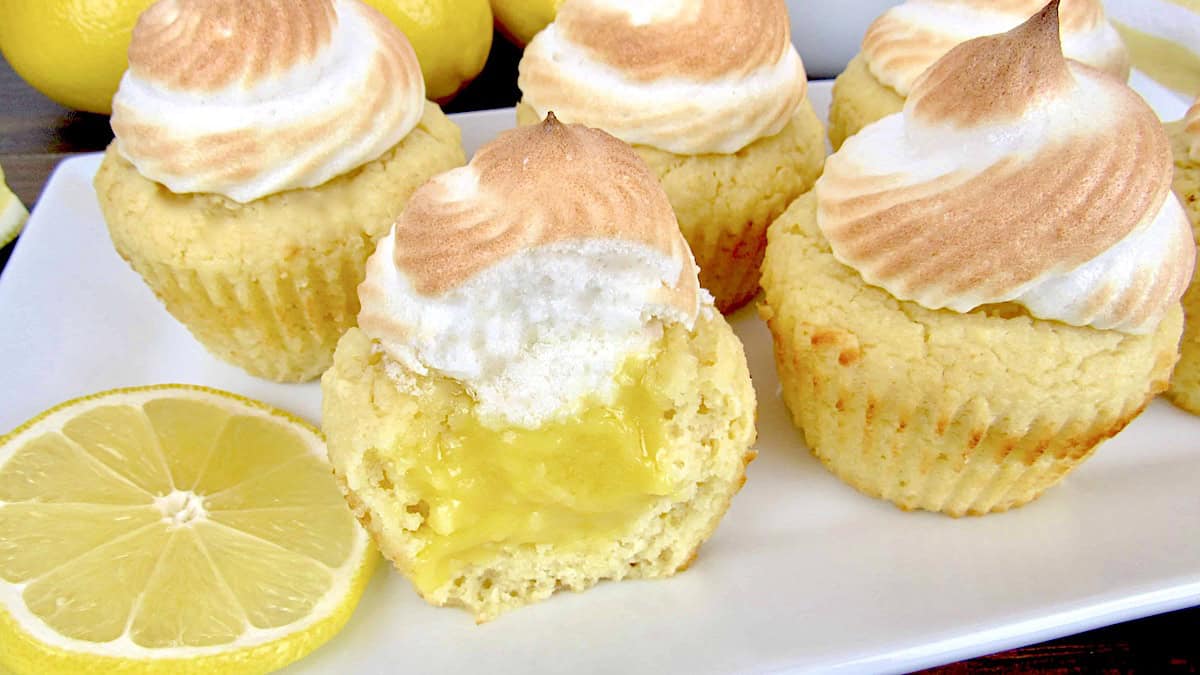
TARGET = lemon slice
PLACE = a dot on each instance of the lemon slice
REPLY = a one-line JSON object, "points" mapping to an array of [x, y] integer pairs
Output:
{"points": [[171, 529], [12, 213]]}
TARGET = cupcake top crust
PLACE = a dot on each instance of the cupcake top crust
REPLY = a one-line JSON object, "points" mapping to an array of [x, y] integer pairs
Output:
{"points": [[1015, 175], [1191, 129], [685, 76], [532, 273], [246, 98], [908, 38]]}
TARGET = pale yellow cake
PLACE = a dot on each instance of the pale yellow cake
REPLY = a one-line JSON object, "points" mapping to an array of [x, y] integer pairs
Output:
{"points": [[628, 490], [724, 203], [931, 409], [1185, 382], [269, 285]]}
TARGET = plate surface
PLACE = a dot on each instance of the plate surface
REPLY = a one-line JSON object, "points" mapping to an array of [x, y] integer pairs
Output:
{"points": [[804, 573]]}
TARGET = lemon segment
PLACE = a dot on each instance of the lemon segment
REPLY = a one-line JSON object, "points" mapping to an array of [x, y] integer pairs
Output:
{"points": [[171, 529], [12, 213]]}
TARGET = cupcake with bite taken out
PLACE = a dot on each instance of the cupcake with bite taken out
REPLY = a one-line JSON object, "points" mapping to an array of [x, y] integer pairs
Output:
{"points": [[710, 93], [907, 39], [262, 148], [539, 395], [984, 287]]}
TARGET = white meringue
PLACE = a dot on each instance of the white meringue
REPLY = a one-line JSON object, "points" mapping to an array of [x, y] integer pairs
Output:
{"points": [[250, 98], [685, 76], [531, 274], [1014, 175]]}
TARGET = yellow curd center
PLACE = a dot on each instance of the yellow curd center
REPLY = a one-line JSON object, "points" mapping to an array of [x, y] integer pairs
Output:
{"points": [[575, 482]]}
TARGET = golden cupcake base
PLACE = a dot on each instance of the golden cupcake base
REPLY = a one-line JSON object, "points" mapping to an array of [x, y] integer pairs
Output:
{"points": [[930, 409]]}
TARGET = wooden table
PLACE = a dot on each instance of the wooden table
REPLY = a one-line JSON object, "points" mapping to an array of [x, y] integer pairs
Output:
{"points": [[35, 134]]}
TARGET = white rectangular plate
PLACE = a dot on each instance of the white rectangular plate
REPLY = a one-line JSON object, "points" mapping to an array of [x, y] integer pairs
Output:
{"points": [[804, 573]]}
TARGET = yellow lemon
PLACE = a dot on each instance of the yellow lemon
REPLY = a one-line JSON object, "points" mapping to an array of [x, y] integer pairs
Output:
{"points": [[171, 529], [452, 39], [522, 19], [12, 213], [73, 51]]}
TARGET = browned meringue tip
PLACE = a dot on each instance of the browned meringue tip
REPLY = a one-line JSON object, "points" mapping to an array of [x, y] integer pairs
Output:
{"points": [[551, 124], [995, 77]]}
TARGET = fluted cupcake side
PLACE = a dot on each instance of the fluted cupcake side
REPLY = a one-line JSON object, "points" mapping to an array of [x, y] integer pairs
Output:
{"points": [[930, 409], [269, 285]]}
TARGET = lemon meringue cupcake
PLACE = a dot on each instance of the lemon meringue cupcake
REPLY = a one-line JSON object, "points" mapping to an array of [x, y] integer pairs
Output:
{"points": [[710, 93], [981, 289], [908, 38], [1185, 140], [262, 148], [542, 396]]}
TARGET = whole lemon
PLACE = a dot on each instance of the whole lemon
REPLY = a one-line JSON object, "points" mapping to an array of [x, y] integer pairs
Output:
{"points": [[522, 19], [73, 51], [452, 39]]}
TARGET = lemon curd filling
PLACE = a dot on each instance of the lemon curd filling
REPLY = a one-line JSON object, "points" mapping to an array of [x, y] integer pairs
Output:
{"points": [[576, 483]]}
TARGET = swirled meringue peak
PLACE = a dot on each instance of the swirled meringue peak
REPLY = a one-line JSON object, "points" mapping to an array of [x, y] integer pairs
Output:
{"points": [[1015, 175], [532, 273], [909, 38], [246, 98], [1191, 127], [685, 76]]}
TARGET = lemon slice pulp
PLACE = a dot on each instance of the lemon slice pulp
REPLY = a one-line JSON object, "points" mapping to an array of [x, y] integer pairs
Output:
{"points": [[171, 529]]}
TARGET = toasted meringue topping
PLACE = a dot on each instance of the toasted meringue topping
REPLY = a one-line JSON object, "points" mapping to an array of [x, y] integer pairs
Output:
{"points": [[685, 76], [1191, 127], [531, 273], [246, 98], [1015, 175], [907, 39]]}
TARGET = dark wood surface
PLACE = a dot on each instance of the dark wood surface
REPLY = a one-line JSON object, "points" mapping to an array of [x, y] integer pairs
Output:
{"points": [[36, 134]]}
